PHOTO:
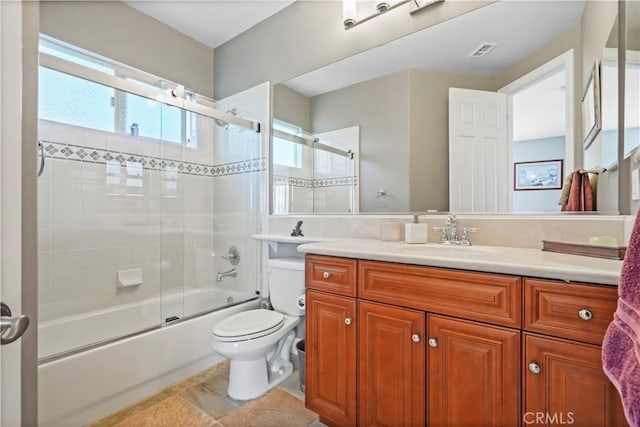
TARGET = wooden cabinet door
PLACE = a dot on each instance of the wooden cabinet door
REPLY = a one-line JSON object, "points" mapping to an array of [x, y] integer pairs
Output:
{"points": [[330, 388], [564, 384], [391, 375], [473, 374]]}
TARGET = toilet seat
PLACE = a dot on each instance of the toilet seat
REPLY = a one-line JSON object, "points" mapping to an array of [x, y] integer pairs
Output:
{"points": [[248, 325]]}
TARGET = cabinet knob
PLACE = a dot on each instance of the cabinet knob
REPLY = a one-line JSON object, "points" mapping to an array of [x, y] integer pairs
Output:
{"points": [[585, 314], [348, 321], [433, 342], [415, 338], [326, 274], [534, 368]]}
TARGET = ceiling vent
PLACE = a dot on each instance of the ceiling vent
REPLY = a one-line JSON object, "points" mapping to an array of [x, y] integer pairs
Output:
{"points": [[482, 50]]}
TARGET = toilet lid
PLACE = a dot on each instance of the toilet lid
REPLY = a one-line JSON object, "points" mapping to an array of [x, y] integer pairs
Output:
{"points": [[248, 325]]}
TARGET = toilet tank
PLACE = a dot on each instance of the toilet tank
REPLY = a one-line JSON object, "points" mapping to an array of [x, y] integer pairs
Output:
{"points": [[286, 284]]}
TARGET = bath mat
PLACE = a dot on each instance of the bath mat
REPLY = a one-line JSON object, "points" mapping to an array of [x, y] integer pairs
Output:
{"points": [[277, 408], [171, 412]]}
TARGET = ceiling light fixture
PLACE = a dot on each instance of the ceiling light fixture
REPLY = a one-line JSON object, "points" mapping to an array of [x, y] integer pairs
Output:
{"points": [[350, 9]]}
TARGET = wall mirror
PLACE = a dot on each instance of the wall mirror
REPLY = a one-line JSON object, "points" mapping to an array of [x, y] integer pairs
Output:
{"points": [[389, 107]]}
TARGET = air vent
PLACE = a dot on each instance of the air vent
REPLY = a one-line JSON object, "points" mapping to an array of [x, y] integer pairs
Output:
{"points": [[482, 50]]}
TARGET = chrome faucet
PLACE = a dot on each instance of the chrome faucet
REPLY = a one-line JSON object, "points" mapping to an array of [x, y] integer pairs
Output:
{"points": [[449, 233], [451, 224], [229, 273]]}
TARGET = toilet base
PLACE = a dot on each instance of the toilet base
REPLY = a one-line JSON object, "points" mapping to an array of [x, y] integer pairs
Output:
{"points": [[249, 379]]}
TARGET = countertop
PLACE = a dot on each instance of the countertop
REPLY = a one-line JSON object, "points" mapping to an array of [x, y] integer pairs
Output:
{"points": [[492, 259], [281, 238]]}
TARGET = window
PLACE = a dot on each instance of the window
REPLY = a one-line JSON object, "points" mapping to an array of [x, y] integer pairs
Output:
{"points": [[70, 99], [67, 99], [287, 153]]}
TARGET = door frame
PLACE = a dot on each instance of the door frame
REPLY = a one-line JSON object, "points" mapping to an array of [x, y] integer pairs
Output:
{"points": [[566, 61], [19, 81]]}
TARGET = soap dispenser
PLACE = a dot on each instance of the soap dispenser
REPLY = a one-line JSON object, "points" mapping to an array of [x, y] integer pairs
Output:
{"points": [[415, 232]]}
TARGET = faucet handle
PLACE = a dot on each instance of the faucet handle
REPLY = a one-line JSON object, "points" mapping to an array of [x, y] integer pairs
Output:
{"points": [[233, 256], [443, 235], [464, 238]]}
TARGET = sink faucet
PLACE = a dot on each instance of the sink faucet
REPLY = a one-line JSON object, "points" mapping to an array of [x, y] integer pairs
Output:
{"points": [[451, 224], [229, 273], [449, 233], [297, 231]]}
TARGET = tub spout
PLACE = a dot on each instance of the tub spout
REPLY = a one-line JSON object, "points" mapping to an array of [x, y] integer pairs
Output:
{"points": [[230, 273]]}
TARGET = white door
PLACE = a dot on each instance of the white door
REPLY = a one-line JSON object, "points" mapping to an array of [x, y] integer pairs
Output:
{"points": [[10, 211], [478, 158]]}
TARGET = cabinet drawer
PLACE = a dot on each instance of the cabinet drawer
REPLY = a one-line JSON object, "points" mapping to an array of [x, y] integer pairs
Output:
{"points": [[331, 274], [574, 311], [492, 298]]}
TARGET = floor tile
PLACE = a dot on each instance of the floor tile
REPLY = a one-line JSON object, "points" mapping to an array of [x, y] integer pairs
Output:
{"points": [[171, 412], [211, 395], [292, 385], [277, 408]]}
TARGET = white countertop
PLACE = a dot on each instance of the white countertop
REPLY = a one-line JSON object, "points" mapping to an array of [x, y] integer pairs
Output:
{"points": [[492, 259]]}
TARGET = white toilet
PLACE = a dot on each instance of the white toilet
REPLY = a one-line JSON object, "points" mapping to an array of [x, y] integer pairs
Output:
{"points": [[258, 342]]}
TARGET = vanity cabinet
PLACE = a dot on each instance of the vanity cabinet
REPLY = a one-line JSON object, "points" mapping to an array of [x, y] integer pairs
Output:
{"points": [[563, 380], [473, 373], [391, 363], [564, 384], [441, 347], [330, 383]]}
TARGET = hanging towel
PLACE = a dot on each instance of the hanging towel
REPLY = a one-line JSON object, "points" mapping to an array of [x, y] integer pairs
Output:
{"points": [[566, 186], [621, 346], [580, 195]]}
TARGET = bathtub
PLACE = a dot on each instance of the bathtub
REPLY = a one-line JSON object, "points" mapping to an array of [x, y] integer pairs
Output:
{"points": [[78, 331], [87, 385]]}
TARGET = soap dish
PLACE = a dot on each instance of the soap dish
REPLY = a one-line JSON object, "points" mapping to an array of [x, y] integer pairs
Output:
{"points": [[585, 249]]}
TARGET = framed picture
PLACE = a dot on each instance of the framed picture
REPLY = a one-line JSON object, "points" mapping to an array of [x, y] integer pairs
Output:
{"points": [[591, 112], [542, 175]]}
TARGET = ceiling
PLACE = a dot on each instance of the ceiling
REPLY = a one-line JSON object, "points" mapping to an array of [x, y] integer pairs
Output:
{"points": [[518, 27], [211, 22]]}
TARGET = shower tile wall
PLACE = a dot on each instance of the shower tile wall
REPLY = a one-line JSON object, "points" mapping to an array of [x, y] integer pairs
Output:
{"points": [[96, 218]]}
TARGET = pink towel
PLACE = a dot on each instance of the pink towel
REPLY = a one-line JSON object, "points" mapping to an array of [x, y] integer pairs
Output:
{"points": [[621, 346], [580, 194]]}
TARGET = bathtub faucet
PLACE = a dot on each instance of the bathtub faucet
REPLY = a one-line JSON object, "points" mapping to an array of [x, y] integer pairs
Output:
{"points": [[230, 273]]}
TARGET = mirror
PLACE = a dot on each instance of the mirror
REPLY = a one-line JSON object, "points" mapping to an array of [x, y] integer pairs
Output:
{"points": [[396, 95]]}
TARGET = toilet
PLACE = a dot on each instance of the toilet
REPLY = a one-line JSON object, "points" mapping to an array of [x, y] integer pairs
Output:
{"points": [[258, 342]]}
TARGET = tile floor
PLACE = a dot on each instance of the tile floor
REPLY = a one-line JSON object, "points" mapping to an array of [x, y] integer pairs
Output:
{"points": [[202, 401]]}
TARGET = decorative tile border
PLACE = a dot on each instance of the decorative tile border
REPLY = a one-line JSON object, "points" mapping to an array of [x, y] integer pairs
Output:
{"points": [[342, 181], [62, 151]]}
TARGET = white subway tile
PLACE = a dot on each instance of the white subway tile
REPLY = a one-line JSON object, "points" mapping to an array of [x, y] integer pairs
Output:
{"points": [[94, 259], [93, 237], [117, 236], [66, 171], [45, 264], [44, 216], [44, 192], [67, 286], [97, 280], [65, 239], [44, 239], [66, 216], [117, 258], [66, 261], [66, 193]]}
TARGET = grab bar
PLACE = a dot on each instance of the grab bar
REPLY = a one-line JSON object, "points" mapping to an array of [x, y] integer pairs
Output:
{"points": [[41, 147]]}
